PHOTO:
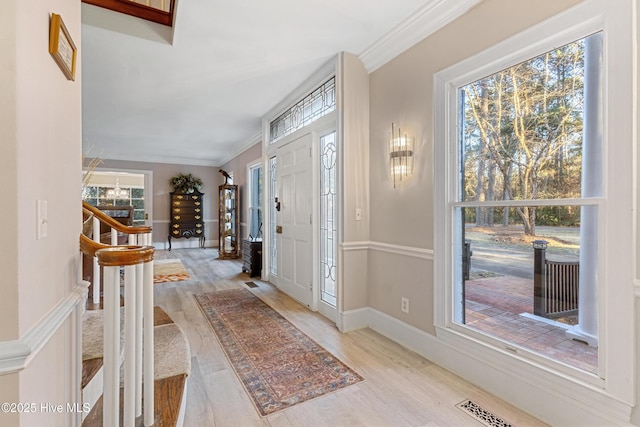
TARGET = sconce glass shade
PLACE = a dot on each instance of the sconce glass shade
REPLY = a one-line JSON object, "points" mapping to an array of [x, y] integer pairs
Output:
{"points": [[400, 155]]}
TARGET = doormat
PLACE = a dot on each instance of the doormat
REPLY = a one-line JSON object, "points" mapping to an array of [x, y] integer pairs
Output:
{"points": [[169, 270], [278, 365]]}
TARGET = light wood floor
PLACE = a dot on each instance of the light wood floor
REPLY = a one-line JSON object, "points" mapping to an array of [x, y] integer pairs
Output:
{"points": [[400, 387]]}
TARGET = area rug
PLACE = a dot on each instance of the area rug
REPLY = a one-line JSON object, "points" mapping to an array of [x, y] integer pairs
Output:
{"points": [[278, 364], [169, 270]]}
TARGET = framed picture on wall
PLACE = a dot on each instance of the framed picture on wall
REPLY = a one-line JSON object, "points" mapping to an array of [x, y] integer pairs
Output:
{"points": [[61, 47]]}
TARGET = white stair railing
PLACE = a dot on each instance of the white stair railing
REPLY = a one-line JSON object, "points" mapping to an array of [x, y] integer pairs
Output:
{"points": [[138, 351], [137, 260], [138, 235]]}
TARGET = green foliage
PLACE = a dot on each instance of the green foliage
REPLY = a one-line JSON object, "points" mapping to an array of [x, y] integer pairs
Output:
{"points": [[185, 183], [523, 138]]}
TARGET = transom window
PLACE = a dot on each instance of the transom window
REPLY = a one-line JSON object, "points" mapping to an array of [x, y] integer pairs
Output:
{"points": [[317, 104]]}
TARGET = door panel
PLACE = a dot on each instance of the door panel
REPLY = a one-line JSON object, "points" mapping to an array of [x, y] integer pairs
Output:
{"points": [[295, 251]]}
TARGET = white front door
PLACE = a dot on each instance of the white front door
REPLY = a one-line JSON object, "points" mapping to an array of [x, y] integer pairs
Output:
{"points": [[294, 232]]}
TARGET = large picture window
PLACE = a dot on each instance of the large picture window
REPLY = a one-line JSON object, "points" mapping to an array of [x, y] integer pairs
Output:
{"points": [[527, 204], [98, 195], [534, 201]]}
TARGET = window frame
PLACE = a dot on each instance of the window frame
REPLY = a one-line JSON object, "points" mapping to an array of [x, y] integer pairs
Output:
{"points": [[136, 221], [616, 311], [251, 167]]}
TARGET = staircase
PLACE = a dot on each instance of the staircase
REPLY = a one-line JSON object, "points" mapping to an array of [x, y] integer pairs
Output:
{"points": [[114, 382]]}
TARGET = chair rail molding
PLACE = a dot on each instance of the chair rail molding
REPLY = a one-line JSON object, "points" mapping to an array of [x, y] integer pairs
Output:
{"points": [[15, 355], [388, 248]]}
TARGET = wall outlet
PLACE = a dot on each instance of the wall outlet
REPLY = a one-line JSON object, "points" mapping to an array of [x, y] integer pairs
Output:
{"points": [[404, 306]]}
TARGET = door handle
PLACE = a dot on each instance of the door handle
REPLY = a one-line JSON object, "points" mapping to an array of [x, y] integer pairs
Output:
{"points": [[277, 204]]}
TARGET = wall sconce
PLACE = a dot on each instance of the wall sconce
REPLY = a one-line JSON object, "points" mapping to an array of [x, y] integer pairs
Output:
{"points": [[400, 155]]}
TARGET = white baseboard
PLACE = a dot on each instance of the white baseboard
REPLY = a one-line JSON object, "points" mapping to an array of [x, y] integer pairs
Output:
{"points": [[554, 401], [353, 320]]}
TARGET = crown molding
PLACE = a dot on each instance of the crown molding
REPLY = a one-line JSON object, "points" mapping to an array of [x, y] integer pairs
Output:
{"points": [[257, 138], [424, 22], [158, 159]]}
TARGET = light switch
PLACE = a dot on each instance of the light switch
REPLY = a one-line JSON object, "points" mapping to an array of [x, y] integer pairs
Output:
{"points": [[42, 219], [358, 214]]}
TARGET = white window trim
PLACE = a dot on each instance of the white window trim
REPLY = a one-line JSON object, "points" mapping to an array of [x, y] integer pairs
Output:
{"points": [[148, 188], [614, 394], [328, 70], [250, 166]]}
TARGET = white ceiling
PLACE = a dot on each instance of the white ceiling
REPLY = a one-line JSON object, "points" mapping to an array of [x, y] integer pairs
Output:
{"points": [[200, 99]]}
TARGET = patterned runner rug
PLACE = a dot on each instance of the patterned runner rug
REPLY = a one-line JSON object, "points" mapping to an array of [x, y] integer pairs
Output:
{"points": [[278, 364], [169, 270]]}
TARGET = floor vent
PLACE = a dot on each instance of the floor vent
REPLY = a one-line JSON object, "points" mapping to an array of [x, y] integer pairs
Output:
{"points": [[251, 284], [482, 415]]}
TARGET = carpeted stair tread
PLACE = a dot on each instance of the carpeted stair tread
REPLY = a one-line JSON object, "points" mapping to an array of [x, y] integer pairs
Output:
{"points": [[172, 355], [92, 341], [172, 358], [93, 333], [172, 351], [93, 330]]}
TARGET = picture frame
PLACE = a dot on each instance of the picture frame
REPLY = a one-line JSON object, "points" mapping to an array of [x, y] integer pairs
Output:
{"points": [[62, 48]]}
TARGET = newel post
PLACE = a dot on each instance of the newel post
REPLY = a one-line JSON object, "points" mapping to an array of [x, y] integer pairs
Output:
{"points": [[539, 289]]}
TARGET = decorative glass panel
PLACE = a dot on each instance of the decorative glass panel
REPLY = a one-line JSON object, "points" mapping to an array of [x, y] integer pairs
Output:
{"points": [[273, 190], [318, 103], [328, 231]]}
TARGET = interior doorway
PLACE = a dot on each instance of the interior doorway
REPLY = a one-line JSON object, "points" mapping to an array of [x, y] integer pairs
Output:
{"points": [[109, 187]]}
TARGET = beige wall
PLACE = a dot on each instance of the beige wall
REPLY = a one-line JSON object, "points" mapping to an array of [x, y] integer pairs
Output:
{"points": [[40, 121], [9, 172], [162, 172], [355, 180], [238, 166], [401, 92], [636, 414], [110, 180]]}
